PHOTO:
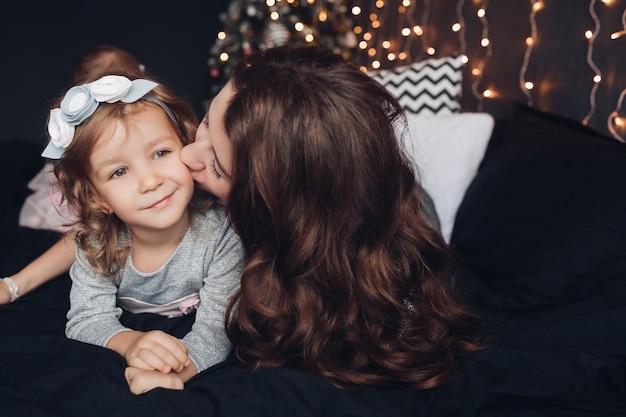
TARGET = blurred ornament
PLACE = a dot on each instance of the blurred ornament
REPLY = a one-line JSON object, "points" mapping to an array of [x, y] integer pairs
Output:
{"points": [[276, 34]]}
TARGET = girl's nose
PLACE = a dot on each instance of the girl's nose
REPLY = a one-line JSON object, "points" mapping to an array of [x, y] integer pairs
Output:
{"points": [[150, 180]]}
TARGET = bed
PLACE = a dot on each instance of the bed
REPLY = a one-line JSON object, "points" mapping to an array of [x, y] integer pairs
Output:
{"points": [[534, 206]]}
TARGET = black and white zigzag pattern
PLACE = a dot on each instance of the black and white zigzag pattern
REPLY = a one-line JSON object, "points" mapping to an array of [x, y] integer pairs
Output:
{"points": [[429, 87]]}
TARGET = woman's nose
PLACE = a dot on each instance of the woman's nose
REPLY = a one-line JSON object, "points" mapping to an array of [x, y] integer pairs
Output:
{"points": [[189, 157]]}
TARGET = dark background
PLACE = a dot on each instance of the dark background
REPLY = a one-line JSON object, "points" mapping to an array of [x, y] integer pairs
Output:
{"points": [[40, 40], [558, 63]]}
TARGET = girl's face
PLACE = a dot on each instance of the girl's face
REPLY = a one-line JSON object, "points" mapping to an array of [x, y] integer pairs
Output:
{"points": [[136, 169], [209, 158]]}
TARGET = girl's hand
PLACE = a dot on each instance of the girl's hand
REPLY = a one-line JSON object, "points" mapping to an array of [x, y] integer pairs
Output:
{"points": [[154, 350], [159, 351], [141, 380]]}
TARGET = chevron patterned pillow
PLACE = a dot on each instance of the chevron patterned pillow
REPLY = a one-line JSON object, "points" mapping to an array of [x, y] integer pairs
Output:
{"points": [[429, 87]]}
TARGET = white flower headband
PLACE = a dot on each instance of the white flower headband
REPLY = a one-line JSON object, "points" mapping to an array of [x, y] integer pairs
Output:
{"points": [[81, 101]]}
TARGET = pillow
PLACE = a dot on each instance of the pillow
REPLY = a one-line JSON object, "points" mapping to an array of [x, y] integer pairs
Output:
{"points": [[447, 151], [432, 86], [543, 223], [45, 208]]}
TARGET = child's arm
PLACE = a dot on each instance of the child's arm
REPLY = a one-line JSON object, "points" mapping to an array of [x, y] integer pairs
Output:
{"points": [[141, 380], [94, 315], [154, 350], [50, 264]]}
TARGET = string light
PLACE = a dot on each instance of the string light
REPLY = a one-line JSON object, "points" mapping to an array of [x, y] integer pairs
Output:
{"points": [[408, 36], [413, 23], [410, 23], [591, 36], [460, 21], [425, 15], [617, 35], [615, 121], [526, 86], [478, 71]]}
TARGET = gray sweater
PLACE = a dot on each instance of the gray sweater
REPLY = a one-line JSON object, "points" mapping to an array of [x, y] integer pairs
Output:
{"points": [[207, 262]]}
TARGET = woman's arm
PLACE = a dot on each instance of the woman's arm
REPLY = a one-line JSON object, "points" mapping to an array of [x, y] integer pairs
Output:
{"points": [[50, 264]]}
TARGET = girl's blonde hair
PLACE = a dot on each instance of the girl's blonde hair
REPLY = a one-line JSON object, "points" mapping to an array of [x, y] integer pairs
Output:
{"points": [[103, 237]]}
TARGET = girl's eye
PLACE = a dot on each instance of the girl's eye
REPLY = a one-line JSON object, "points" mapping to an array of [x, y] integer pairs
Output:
{"points": [[160, 154], [213, 169], [118, 172]]}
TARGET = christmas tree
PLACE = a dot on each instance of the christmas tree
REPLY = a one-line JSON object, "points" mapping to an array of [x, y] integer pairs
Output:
{"points": [[251, 25]]}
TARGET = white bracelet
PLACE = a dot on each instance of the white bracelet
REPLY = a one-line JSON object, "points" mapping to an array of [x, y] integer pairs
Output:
{"points": [[13, 288]]}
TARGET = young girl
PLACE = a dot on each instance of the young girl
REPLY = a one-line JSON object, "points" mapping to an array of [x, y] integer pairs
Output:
{"points": [[142, 243], [44, 208], [343, 275]]}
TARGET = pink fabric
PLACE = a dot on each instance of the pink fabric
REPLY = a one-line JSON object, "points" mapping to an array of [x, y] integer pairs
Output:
{"points": [[43, 209]]}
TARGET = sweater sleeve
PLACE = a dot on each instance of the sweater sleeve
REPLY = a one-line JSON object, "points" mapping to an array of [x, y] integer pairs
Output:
{"points": [[207, 342], [93, 316]]}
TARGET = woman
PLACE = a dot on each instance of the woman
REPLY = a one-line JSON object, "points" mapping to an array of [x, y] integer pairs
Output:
{"points": [[343, 275]]}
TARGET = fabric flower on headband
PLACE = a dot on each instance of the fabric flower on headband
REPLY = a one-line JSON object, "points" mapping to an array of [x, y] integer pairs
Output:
{"points": [[81, 101]]}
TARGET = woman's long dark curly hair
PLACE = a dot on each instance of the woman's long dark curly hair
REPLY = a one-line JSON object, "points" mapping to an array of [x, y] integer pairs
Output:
{"points": [[344, 277]]}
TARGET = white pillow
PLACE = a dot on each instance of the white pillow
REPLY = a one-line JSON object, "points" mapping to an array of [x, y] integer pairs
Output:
{"points": [[447, 151]]}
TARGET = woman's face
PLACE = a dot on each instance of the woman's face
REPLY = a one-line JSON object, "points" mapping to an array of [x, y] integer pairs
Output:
{"points": [[209, 158]]}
